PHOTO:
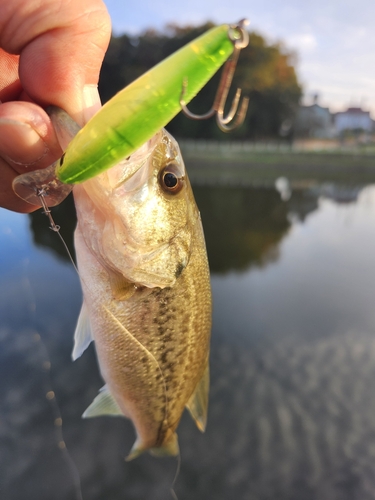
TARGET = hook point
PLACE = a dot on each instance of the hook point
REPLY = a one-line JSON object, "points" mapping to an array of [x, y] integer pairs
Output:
{"points": [[224, 85]]}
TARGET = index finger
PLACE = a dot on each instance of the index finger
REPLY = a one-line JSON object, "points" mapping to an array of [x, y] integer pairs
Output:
{"points": [[10, 86], [61, 46]]}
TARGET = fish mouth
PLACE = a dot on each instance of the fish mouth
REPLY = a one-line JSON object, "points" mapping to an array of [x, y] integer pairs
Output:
{"points": [[132, 164]]}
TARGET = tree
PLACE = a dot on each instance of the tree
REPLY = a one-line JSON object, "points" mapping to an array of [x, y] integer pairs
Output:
{"points": [[265, 73]]}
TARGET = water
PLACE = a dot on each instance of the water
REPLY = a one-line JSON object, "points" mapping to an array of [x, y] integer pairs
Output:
{"points": [[292, 407]]}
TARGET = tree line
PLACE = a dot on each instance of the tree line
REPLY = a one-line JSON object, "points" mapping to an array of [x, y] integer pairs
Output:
{"points": [[265, 72]]}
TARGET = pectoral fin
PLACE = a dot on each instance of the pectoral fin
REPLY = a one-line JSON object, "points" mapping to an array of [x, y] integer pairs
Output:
{"points": [[82, 334], [198, 402], [122, 289], [103, 404]]}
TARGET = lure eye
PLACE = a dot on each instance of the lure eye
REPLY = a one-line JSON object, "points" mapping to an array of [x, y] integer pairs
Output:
{"points": [[171, 178]]}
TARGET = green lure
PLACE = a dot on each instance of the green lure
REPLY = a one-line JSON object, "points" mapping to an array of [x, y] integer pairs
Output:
{"points": [[137, 112]]}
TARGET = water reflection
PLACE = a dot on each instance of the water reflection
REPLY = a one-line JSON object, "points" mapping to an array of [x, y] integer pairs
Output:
{"points": [[293, 359], [243, 225]]}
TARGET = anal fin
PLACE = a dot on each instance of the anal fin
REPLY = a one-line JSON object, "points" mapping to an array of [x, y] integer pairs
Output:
{"points": [[198, 402]]}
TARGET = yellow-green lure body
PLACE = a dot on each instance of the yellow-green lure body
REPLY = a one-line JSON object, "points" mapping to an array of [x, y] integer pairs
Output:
{"points": [[137, 112]]}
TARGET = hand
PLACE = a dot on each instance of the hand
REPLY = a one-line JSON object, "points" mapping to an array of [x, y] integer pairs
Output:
{"points": [[50, 53]]}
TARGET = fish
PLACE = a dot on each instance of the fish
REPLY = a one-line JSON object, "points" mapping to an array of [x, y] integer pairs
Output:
{"points": [[144, 273]]}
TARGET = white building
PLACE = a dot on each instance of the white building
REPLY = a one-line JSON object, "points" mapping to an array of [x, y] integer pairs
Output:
{"points": [[314, 121], [353, 119]]}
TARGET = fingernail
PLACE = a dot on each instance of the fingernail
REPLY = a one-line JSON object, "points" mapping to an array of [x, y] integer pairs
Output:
{"points": [[21, 143], [91, 101]]}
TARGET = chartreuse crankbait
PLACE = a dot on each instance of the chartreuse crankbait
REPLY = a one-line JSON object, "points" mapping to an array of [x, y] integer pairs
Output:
{"points": [[138, 111]]}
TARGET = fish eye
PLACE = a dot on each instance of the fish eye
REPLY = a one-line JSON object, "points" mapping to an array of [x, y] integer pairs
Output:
{"points": [[171, 178]]}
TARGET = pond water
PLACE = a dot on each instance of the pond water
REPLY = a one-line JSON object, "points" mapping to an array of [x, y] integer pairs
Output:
{"points": [[292, 404]]}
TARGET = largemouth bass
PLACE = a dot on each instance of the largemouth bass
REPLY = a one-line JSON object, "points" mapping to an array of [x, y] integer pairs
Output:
{"points": [[147, 302]]}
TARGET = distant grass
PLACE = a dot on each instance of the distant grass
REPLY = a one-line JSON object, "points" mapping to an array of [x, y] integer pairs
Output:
{"points": [[226, 165]]}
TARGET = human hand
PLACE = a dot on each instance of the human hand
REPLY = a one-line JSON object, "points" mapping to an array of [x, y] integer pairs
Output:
{"points": [[50, 53]]}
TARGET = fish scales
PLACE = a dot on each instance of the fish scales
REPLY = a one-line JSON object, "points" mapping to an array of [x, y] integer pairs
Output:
{"points": [[146, 292]]}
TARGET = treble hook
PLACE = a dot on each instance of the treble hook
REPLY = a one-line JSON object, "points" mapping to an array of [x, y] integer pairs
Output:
{"points": [[224, 86]]}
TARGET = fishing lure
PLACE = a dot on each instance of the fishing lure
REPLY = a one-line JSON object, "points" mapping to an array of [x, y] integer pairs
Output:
{"points": [[137, 112]]}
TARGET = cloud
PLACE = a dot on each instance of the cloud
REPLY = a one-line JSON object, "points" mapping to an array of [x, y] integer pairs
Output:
{"points": [[305, 42], [334, 39]]}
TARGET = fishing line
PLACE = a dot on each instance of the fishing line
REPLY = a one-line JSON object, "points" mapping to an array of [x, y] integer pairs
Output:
{"points": [[49, 392], [54, 227], [177, 473]]}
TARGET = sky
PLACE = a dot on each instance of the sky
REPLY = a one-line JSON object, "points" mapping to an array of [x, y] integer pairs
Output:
{"points": [[334, 39]]}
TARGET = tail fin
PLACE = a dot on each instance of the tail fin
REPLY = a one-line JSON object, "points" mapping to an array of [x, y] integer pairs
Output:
{"points": [[168, 449]]}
